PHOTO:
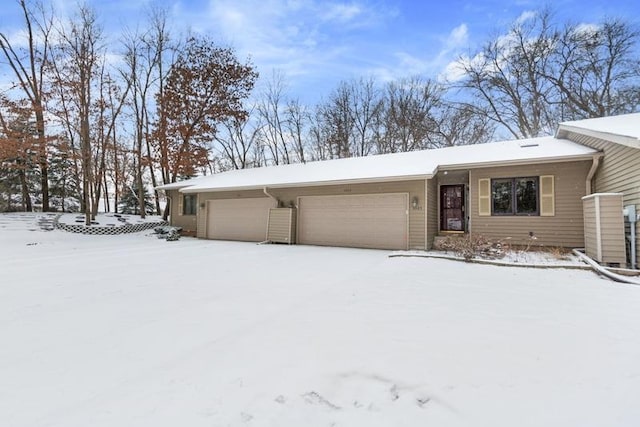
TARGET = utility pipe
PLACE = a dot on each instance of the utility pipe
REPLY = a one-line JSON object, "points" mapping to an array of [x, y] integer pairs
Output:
{"points": [[603, 271], [632, 226]]}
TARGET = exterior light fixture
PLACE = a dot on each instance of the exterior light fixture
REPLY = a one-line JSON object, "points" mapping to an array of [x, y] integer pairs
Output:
{"points": [[414, 202]]}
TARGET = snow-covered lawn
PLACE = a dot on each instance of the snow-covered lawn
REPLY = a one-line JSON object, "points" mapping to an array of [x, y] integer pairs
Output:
{"points": [[130, 330]]}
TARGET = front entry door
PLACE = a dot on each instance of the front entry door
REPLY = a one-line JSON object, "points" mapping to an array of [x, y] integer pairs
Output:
{"points": [[452, 208]]}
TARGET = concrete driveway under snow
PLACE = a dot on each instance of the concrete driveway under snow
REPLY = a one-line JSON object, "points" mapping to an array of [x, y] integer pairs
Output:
{"points": [[132, 331]]}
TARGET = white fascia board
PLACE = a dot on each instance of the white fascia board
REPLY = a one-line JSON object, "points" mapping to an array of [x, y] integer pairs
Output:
{"points": [[519, 162], [194, 189], [628, 141]]}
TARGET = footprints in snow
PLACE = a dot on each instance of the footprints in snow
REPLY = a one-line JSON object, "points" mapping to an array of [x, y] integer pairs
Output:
{"points": [[353, 392]]}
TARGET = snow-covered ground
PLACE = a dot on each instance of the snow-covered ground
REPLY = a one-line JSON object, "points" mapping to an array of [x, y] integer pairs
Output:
{"points": [[131, 330]]}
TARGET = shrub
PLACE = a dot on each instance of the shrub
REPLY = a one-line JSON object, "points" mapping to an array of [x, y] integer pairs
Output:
{"points": [[473, 245]]}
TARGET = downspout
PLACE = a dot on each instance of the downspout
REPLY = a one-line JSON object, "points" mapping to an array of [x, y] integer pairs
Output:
{"points": [[592, 172], [275, 199]]}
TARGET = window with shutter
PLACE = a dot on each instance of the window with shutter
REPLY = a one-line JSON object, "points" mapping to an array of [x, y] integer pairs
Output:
{"points": [[484, 197], [547, 196]]}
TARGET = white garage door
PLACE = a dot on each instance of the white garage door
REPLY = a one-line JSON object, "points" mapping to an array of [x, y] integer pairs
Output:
{"points": [[238, 219], [361, 221]]}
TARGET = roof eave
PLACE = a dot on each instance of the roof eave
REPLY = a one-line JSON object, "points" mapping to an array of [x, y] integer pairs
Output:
{"points": [[626, 140], [520, 162], [311, 183], [167, 187]]}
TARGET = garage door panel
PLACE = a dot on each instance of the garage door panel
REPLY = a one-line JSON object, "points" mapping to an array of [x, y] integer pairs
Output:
{"points": [[366, 221], [238, 219]]}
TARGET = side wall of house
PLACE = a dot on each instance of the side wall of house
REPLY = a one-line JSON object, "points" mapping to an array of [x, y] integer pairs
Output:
{"points": [[618, 171], [431, 210], [565, 228], [176, 218]]}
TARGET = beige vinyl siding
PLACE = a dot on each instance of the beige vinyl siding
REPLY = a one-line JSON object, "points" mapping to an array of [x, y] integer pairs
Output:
{"points": [[431, 211], [590, 227], [282, 225], [604, 228], [612, 229], [204, 197], [565, 228], [619, 171], [176, 218], [613, 242], [289, 196]]}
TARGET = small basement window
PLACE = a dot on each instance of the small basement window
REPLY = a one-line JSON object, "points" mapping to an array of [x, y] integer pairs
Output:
{"points": [[189, 204], [515, 196]]}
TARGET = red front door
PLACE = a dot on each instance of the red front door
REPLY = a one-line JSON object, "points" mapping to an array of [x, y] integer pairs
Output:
{"points": [[452, 212]]}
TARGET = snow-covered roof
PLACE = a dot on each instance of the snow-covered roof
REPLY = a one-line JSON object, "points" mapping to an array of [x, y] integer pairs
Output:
{"points": [[390, 167], [624, 128], [182, 184]]}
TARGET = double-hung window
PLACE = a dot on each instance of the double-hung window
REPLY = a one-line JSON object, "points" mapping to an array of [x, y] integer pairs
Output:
{"points": [[515, 196], [189, 202]]}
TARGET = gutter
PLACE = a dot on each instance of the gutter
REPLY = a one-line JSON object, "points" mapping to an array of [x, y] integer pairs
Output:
{"points": [[516, 162], [194, 189]]}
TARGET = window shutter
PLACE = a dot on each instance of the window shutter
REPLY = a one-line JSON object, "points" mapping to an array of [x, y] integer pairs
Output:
{"points": [[180, 205], [484, 197], [547, 196]]}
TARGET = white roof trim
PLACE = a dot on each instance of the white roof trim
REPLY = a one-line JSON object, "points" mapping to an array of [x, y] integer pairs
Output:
{"points": [[628, 141]]}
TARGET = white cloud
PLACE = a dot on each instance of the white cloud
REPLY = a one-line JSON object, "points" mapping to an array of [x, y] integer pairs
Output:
{"points": [[458, 37], [525, 16], [341, 12], [585, 28]]}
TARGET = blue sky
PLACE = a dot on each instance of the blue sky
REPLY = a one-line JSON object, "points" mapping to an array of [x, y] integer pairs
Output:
{"points": [[315, 44]]}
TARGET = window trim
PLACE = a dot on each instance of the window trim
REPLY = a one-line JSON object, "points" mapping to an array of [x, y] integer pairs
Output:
{"points": [[514, 198], [186, 205]]}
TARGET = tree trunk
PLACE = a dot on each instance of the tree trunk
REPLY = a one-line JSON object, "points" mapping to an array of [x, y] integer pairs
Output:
{"points": [[26, 198], [167, 209], [42, 155]]}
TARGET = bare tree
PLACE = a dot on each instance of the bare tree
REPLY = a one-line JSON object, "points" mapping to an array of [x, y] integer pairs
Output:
{"points": [[144, 56], [408, 114], [76, 67], [28, 66], [108, 108], [596, 70], [336, 122], [504, 77], [459, 124], [366, 106], [297, 119], [318, 136], [236, 142], [269, 109]]}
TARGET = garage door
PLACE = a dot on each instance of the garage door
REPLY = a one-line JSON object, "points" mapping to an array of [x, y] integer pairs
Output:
{"points": [[238, 219], [361, 221]]}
